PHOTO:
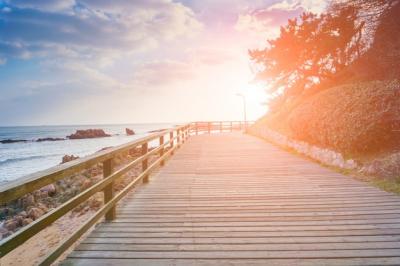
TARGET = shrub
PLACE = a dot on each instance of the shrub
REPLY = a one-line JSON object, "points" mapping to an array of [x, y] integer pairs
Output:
{"points": [[355, 119]]}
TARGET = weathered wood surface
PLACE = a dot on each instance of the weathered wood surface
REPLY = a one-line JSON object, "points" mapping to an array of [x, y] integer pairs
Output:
{"points": [[232, 199]]}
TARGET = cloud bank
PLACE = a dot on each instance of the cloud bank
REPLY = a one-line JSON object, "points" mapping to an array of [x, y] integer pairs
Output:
{"points": [[88, 28]]}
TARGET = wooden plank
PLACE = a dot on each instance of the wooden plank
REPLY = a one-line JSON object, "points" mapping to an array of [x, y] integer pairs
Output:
{"points": [[254, 254], [114, 228], [260, 218], [247, 262], [238, 247], [268, 234], [135, 223], [230, 198], [244, 240]]}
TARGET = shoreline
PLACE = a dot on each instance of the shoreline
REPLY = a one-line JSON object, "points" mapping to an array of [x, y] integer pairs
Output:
{"points": [[21, 159]]}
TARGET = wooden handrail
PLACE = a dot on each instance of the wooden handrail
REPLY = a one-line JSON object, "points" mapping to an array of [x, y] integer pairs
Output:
{"points": [[209, 126], [16, 189]]}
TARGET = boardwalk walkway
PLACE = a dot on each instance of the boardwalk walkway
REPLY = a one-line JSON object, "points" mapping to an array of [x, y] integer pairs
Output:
{"points": [[233, 199]]}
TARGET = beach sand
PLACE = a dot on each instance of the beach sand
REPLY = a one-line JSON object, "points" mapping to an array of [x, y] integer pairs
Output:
{"points": [[35, 249]]}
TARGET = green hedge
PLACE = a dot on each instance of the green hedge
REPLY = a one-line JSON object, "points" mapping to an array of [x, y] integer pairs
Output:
{"points": [[355, 119]]}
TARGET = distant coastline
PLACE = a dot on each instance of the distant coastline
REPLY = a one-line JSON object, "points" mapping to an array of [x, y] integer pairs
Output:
{"points": [[29, 149]]}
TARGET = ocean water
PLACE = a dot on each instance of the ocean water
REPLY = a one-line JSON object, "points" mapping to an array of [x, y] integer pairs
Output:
{"points": [[20, 159]]}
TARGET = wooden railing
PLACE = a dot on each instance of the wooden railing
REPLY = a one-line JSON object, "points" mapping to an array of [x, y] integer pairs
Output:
{"points": [[219, 126], [16, 189]]}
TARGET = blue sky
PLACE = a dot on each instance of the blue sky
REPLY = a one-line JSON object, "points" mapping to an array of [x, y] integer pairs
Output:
{"points": [[101, 61]]}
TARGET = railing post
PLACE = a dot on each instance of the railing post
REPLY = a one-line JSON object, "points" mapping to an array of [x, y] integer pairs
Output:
{"points": [[209, 127], [197, 128], [145, 148], [231, 126], [171, 139], [162, 149], [108, 166], [240, 125], [220, 126]]}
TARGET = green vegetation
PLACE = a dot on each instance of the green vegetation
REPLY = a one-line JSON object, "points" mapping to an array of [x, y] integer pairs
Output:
{"points": [[335, 80], [387, 185], [352, 41], [357, 120]]}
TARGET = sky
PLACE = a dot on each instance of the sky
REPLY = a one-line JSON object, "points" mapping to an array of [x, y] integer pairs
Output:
{"points": [[139, 61]]}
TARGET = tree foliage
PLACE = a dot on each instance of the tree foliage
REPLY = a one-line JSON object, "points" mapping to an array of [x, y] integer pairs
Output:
{"points": [[310, 49], [313, 51]]}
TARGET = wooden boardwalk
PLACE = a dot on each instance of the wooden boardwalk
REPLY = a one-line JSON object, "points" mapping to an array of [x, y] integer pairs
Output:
{"points": [[233, 199]]}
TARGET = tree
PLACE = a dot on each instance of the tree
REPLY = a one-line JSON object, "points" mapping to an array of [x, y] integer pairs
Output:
{"points": [[310, 49]]}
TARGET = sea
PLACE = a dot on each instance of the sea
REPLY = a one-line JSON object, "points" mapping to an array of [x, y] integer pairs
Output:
{"points": [[23, 158]]}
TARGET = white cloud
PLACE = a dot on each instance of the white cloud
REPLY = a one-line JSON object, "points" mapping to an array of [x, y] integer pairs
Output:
{"points": [[248, 22], [316, 6], [92, 27], [3, 61], [268, 18], [48, 5], [265, 21], [285, 5]]}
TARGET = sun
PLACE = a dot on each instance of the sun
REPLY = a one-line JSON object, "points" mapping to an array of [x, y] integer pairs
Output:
{"points": [[256, 97]]}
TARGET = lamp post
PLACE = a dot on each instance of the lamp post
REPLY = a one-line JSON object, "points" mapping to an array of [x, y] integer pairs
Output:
{"points": [[244, 108]]}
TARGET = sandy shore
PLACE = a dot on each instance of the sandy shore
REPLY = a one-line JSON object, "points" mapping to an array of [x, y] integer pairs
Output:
{"points": [[33, 250]]}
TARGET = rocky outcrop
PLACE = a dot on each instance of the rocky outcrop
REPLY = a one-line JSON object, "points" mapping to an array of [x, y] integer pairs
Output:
{"points": [[88, 134], [129, 132], [9, 141], [49, 139]]}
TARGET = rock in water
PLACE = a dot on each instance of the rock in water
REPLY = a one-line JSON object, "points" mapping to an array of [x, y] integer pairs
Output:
{"points": [[129, 132], [88, 134], [8, 141], [157, 130], [49, 139]]}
